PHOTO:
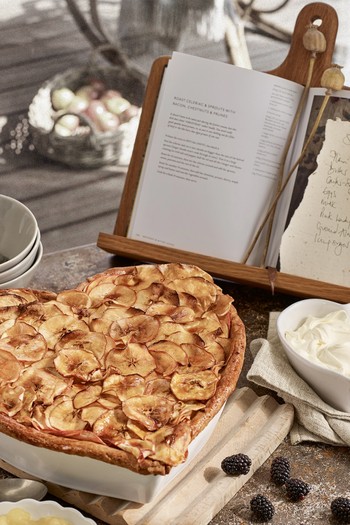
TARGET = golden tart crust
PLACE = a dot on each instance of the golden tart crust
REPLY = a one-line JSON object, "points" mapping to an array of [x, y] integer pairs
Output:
{"points": [[127, 368]]}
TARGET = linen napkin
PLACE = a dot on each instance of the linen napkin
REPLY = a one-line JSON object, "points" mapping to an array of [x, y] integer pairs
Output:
{"points": [[314, 419]]}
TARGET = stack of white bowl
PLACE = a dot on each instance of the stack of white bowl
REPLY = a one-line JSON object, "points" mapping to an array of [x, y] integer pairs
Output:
{"points": [[21, 249]]}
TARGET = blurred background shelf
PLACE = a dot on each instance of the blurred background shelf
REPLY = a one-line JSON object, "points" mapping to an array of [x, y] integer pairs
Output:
{"points": [[40, 38]]}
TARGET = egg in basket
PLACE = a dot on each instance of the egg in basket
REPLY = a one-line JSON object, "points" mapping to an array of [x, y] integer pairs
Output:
{"points": [[84, 117]]}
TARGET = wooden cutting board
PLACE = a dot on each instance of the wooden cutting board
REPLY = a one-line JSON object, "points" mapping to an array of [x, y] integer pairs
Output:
{"points": [[254, 425]]}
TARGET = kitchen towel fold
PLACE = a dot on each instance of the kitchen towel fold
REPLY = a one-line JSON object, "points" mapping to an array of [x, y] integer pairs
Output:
{"points": [[314, 419]]}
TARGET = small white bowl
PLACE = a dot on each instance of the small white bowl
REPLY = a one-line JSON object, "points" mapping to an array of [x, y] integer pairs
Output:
{"points": [[23, 265], [18, 230], [331, 386], [41, 509], [23, 280]]}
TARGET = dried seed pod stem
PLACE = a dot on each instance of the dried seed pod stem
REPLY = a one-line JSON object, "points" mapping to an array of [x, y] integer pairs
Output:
{"points": [[281, 170], [315, 42]]}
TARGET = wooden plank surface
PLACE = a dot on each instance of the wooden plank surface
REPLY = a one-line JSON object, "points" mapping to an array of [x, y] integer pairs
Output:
{"points": [[252, 424]]}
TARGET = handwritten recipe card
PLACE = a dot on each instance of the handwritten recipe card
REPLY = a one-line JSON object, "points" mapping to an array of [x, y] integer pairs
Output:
{"points": [[320, 228]]}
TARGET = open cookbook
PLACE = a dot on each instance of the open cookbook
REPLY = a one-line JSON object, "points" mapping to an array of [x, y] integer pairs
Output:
{"points": [[212, 161]]}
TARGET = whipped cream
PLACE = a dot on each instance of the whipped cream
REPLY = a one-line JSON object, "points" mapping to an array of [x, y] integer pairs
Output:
{"points": [[324, 341]]}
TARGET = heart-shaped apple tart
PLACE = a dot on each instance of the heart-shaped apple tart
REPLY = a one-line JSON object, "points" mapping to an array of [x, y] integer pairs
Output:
{"points": [[127, 368]]}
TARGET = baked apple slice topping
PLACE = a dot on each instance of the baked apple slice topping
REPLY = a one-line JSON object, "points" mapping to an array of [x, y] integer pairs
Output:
{"points": [[171, 349], [12, 400], [62, 415], [151, 411], [74, 298], [10, 367], [96, 343], [171, 444], [54, 328], [141, 328], [194, 385], [119, 294], [133, 359], [25, 347], [122, 387], [87, 396]]}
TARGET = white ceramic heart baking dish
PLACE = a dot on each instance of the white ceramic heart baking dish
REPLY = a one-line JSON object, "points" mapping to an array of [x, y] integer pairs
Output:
{"points": [[90, 475], [333, 387]]}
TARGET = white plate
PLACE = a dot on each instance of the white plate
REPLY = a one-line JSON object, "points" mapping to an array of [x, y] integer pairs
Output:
{"points": [[91, 475], [40, 509]]}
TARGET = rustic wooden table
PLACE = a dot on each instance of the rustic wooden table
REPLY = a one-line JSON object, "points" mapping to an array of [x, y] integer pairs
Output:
{"points": [[38, 40], [324, 467]]}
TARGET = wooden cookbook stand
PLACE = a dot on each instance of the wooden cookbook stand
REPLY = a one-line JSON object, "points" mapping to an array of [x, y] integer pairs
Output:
{"points": [[293, 68]]}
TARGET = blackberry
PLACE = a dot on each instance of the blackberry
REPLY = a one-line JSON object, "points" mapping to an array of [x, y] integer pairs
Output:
{"points": [[280, 470], [236, 464], [262, 508], [296, 489], [340, 508]]}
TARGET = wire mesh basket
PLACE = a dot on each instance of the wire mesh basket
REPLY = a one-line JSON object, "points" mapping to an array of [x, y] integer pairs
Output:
{"points": [[89, 147]]}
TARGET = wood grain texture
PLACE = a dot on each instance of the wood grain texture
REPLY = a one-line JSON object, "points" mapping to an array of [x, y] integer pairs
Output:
{"points": [[252, 424], [295, 66], [140, 145], [224, 269]]}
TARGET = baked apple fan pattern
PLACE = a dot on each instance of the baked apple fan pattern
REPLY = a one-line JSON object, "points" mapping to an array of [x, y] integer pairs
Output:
{"points": [[127, 368]]}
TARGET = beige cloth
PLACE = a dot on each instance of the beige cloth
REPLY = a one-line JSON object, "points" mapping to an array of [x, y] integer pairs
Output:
{"points": [[314, 419]]}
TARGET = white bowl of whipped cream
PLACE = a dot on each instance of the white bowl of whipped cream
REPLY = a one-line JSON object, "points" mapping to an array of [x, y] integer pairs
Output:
{"points": [[315, 334]]}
